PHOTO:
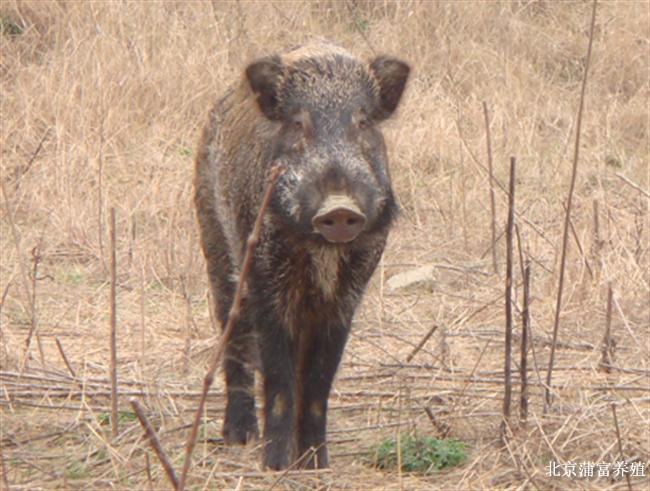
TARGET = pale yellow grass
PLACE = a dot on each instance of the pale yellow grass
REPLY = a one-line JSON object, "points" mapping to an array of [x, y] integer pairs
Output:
{"points": [[117, 92]]}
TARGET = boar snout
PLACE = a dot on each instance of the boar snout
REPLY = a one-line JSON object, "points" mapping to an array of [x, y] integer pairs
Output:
{"points": [[339, 219]]}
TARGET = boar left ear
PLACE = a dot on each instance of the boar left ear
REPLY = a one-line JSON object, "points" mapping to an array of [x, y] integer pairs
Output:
{"points": [[264, 78], [391, 75]]}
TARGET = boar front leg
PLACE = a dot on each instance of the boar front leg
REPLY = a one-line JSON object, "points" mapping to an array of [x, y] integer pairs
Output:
{"points": [[240, 422], [320, 358], [279, 392]]}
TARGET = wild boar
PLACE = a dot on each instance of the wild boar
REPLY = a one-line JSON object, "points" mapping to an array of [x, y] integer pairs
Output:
{"points": [[316, 110]]}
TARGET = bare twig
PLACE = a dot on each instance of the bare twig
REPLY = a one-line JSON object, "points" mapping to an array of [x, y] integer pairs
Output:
{"points": [[421, 343], [9, 214], [463, 193], [635, 186], [620, 445], [4, 296], [148, 467], [352, 7], [469, 380], [308, 454], [233, 315], [41, 352], [440, 426], [579, 244], [35, 154], [100, 197], [5, 479], [606, 352], [520, 250], [521, 263], [399, 438], [266, 474], [507, 395], [143, 342], [65, 358], [155, 444], [567, 216], [113, 326], [36, 259], [520, 465], [488, 141], [186, 355], [523, 365], [500, 186], [597, 242]]}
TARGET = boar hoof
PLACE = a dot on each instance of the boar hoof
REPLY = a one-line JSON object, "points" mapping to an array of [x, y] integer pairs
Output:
{"points": [[276, 456], [240, 430]]}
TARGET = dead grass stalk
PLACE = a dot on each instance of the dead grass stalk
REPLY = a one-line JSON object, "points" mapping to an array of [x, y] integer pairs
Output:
{"points": [[233, 316], [567, 215]]}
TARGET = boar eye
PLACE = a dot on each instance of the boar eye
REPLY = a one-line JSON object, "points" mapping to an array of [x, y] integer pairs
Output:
{"points": [[363, 124], [297, 125]]}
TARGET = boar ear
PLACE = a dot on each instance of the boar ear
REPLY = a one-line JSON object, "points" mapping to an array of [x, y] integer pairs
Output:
{"points": [[264, 78], [391, 75]]}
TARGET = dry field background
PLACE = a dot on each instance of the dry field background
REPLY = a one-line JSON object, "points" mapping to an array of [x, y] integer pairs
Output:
{"points": [[101, 106]]}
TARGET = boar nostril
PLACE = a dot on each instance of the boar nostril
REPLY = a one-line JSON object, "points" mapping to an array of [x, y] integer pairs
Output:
{"points": [[339, 224]]}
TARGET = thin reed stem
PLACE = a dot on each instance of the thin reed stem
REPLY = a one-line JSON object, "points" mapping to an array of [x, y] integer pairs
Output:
{"points": [[523, 364], [567, 215], [155, 444], [606, 350], [113, 326], [620, 445], [233, 315], [507, 395], [488, 142]]}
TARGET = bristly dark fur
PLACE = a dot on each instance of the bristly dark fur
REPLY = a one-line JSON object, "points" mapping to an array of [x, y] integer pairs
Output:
{"points": [[314, 109]]}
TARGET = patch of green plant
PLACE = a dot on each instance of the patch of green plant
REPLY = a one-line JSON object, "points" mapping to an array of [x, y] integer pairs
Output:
{"points": [[613, 161], [104, 418], [185, 151], [156, 286], [75, 276], [70, 438], [544, 458], [101, 455], [362, 24], [592, 181], [418, 454], [126, 416], [208, 430], [9, 27], [76, 470], [19, 317], [122, 417], [359, 23]]}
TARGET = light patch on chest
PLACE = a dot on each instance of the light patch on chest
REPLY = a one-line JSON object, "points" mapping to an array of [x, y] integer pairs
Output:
{"points": [[325, 269]]}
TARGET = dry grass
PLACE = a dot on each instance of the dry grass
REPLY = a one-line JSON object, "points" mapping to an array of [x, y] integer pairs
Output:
{"points": [[101, 106]]}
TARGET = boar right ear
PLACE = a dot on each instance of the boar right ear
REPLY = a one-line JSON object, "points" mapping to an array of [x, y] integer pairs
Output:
{"points": [[391, 75], [264, 78]]}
